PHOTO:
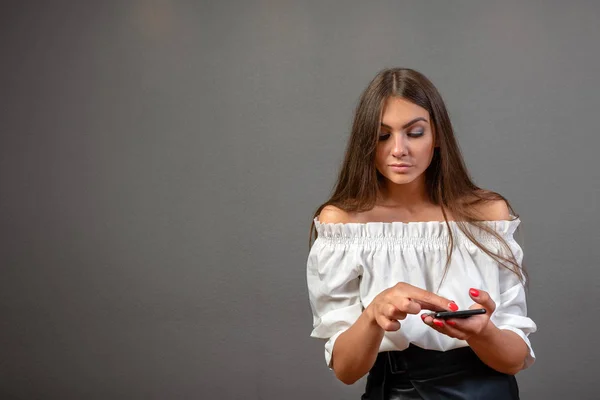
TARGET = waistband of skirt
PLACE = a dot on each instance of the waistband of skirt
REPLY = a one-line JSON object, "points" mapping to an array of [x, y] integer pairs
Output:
{"points": [[419, 363]]}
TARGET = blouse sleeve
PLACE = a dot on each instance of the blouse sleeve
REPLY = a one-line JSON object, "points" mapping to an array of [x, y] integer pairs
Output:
{"points": [[333, 285], [511, 310]]}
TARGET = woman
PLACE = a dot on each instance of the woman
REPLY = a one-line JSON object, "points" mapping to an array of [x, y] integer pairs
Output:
{"points": [[407, 233]]}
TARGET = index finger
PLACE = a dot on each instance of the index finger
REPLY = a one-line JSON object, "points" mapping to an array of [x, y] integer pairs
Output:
{"points": [[429, 300]]}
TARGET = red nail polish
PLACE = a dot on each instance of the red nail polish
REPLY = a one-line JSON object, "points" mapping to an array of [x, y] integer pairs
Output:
{"points": [[453, 306], [451, 323], [423, 316], [474, 292], [438, 323]]}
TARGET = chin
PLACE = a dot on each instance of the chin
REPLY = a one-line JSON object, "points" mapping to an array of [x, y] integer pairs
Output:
{"points": [[401, 180]]}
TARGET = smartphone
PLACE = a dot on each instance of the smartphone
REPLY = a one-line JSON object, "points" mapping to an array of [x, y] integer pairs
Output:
{"points": [[458, 314]]}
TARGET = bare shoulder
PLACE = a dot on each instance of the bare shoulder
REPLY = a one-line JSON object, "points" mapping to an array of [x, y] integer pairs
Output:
{"points": [[489, 206], [493, 209], [334, 215]]}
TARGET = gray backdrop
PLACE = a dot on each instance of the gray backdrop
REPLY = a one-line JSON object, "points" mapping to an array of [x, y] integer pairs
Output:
{"points": [[161, 160]]}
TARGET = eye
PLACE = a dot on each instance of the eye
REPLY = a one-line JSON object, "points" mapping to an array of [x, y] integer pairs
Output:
{"points": [[384, 136], [416, 132]]}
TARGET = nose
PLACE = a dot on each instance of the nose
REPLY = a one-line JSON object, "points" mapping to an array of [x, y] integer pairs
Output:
{"points": [[400, 146]]}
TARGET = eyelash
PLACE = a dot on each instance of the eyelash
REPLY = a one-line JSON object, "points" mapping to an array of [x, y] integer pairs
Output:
{"points": [[412, 135]]}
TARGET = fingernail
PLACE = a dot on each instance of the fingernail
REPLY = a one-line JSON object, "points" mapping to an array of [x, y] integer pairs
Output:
{"points": [[438, 323], [423, 316], [474, 292], [451, 323], [453, 306]]}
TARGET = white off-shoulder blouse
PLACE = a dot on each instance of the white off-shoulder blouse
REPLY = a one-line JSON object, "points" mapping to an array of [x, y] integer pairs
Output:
{"points": [[351, 263]]}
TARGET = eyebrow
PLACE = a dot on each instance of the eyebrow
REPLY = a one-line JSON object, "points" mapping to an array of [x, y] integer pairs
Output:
{"points": [[409, 123]]}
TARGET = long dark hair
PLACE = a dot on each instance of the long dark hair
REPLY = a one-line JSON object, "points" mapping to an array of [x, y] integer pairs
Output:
{"points": [[447, 180]]}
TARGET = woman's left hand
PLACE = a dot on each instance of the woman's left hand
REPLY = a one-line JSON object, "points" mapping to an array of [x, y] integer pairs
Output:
{"points": [[465, 328]]}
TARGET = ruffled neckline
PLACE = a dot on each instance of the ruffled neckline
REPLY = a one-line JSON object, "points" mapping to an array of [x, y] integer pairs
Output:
{"points": [[397, 229]]}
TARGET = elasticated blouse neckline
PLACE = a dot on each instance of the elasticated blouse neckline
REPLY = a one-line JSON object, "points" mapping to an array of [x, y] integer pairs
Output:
{"points": [[420, 229]]}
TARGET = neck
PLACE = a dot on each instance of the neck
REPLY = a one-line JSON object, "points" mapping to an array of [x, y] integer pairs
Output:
{"points": [[411, 196]]}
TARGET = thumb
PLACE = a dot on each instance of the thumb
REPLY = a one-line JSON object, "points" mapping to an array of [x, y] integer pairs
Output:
{"points": [[483, 298]]}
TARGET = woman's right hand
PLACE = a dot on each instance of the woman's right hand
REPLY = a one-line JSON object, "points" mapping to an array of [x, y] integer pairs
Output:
{"points": [[397, 302]]}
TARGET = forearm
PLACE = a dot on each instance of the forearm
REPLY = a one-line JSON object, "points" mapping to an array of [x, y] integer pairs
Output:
{"points": [[500, 349], [355, 350]]}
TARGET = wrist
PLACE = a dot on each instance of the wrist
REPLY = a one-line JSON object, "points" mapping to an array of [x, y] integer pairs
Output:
{"points": [[485, 335], [369, 314]]}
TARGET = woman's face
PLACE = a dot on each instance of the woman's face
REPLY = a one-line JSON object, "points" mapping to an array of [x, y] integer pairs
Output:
{"points": [[406, 143]]}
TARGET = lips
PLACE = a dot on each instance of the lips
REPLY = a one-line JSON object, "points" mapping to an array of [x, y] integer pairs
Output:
{"points": [[401, 168]]}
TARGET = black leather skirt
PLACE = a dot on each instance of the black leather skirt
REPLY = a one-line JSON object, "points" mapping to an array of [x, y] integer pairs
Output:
{"points": [[456, 374]]}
